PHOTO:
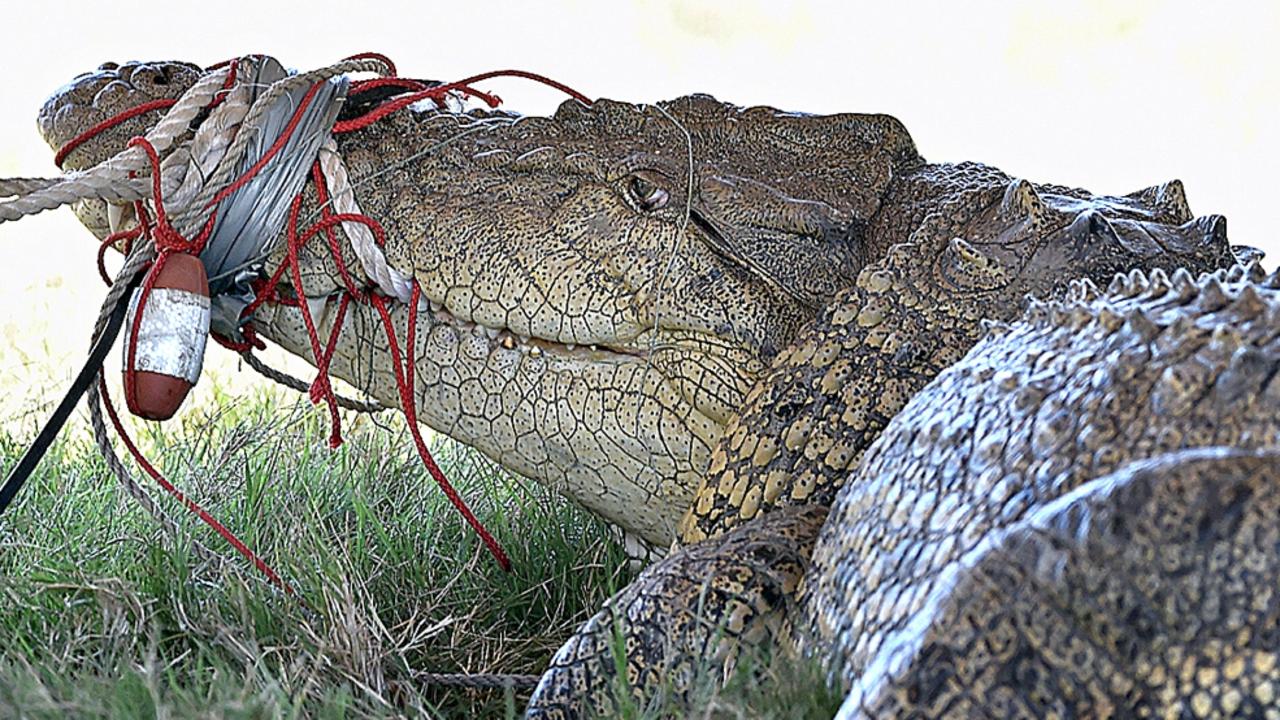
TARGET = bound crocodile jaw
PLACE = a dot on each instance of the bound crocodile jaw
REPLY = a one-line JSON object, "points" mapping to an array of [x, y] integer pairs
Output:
{"points": [[634, 359]]}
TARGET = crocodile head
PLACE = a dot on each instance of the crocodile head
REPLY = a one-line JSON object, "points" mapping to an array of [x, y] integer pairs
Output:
{"points": [[601, 286]]}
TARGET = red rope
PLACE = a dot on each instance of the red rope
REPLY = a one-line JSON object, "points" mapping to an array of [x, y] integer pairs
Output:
{"points": [[251, 341], [322, 384], [128, 236], [316, 387], [404, 383], [322, 197], [406, 83], [191, 505], [167, 241], [222, 94], [109, 123], [271, 151], [438, 92], [435, 94], [529, 76]]}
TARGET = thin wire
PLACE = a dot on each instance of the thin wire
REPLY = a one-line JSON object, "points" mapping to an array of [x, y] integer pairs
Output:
{"points": [[678, 246]]}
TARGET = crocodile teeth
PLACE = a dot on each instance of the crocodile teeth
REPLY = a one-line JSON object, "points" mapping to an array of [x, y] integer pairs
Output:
{"points": [[571, 346], [316, 306], [535, 351], [115, 216], [508, 342]]}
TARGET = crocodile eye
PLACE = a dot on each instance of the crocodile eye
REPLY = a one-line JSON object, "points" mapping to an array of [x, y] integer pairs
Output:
{"points": [[647, 195]]}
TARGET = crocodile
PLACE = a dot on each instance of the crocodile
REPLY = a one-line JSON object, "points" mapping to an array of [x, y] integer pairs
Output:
{"points": [[1076, 519], [696, 319]]}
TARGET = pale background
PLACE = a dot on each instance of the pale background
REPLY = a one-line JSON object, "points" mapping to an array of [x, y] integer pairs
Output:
{"points": [[1109, 96]]}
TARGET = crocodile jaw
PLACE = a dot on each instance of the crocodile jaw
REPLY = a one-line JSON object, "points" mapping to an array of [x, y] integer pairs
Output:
{"points": [[610, 429]]}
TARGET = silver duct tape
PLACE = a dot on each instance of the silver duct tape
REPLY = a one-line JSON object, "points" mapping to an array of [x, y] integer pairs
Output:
{"points": [[174, 330], [252, 218]]}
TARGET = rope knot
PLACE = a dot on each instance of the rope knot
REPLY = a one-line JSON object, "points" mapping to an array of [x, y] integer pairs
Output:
{"points": [[167, 239]]}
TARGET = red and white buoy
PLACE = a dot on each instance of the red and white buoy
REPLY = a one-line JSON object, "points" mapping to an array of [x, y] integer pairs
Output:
{"points": [[166, 361]]}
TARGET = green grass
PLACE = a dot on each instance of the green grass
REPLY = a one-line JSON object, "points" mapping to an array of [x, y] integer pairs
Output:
{"points": [[103, 615]]}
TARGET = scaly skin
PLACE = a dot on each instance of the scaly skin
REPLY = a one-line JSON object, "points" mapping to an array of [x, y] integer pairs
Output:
{"points": [[1144, 593], [825, 399], [1071, 394], [930, 534], [531, 236], [974, 244], [694, 612]]}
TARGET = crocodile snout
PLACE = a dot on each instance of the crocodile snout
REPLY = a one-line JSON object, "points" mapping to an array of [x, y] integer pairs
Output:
{"points": [[111, 89]]}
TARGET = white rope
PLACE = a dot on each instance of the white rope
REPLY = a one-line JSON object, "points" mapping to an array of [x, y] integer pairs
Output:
{"points": [[392, 282], [190, 176], [201, 157], [109, 180]]}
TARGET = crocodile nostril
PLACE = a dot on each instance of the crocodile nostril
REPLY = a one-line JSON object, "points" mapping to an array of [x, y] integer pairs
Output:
{"points": [[108, 66]]}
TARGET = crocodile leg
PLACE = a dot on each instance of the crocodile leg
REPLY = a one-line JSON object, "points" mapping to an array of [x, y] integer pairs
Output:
{"points": [[1149, 592], [689, 614]]}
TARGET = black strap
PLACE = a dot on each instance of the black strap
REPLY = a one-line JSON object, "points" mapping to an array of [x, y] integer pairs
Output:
{"points": [[98, 353]]}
